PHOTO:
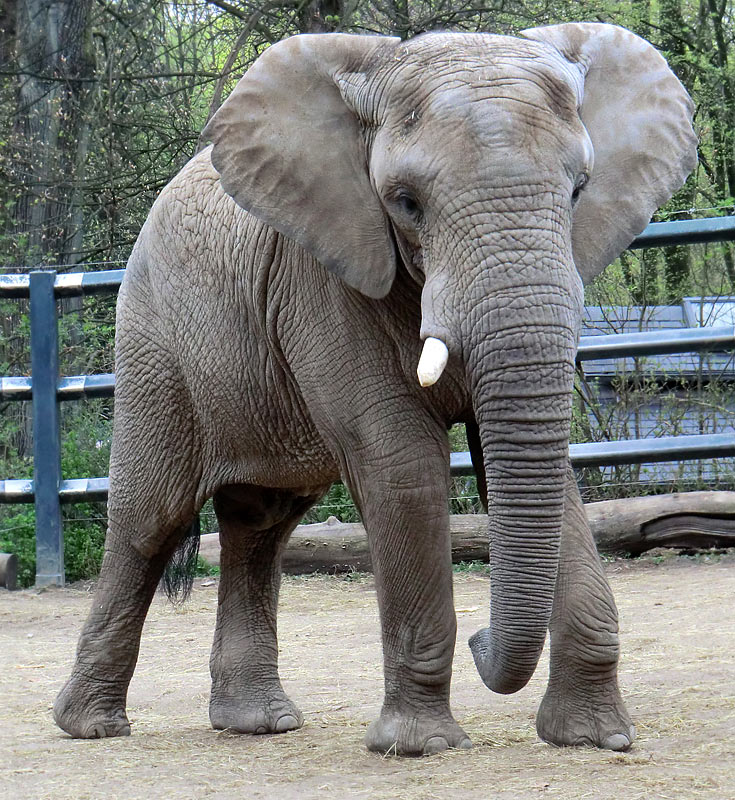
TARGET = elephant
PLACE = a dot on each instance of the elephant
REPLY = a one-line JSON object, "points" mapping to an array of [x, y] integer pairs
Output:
{"points": [[383, 239]]}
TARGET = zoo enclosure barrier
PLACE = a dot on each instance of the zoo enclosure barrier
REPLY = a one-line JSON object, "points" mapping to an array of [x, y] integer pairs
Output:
{"points": [[46, 389]]}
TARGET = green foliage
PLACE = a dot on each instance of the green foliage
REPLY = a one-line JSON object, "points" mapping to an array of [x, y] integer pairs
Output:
{"points": [[458, 439], [18, 535], [86, 439], [471, 568], [84, 539], [204, 569], [336, 503], [85, 453], [463, 496]]}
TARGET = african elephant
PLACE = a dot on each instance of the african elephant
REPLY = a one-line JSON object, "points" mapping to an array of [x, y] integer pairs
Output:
{"points": [[369, 207]]}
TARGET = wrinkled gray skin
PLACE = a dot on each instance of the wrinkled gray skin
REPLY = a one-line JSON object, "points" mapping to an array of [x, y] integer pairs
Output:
{"points": [[393, 191]]}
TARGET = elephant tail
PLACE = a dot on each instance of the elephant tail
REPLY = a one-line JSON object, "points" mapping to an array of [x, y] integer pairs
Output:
{"points": [[178, 577]]}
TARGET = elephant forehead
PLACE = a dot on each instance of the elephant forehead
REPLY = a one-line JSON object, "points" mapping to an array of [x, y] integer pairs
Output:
{"points": [[512, 117], [451, 70], [501, 107]]}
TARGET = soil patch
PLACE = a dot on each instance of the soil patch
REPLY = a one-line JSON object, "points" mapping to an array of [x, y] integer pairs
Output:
{"points": [[677, 675]]}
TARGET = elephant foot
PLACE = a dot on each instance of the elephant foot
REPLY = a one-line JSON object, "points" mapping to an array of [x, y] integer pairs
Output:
{"points": [[88, 711], [597, 719], [394, 733], [269, 712]]}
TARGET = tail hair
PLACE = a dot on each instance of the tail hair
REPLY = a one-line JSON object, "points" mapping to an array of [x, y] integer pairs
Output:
{"points": [[178, 577]]}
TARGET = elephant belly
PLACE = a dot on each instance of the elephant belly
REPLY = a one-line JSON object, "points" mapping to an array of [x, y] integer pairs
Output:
{"points": [[253, 421]]}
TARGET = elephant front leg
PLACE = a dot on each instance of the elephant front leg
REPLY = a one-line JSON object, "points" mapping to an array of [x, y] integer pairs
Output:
{"points": [[407, 521], [582, 704], [247, 695]]}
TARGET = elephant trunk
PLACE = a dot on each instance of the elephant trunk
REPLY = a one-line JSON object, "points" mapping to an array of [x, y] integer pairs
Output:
{"points": [[521, 377]]}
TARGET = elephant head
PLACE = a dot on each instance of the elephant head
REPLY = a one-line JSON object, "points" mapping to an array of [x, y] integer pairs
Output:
{"points": [[502, 173]]}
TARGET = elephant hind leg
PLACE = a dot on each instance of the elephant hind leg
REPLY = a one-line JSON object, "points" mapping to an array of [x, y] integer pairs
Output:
{"points": [[154, 485], [255, 524], [92, 703], [582, 704]]}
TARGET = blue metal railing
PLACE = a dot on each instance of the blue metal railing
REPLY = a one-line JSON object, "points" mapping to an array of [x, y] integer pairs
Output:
{"points": [[48, 491]]}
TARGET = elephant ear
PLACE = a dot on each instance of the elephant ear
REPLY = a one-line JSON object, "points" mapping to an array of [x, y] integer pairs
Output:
{"points": [[290, 150], [639, 118]]}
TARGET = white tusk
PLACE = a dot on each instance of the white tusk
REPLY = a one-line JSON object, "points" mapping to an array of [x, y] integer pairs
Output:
{"points": [[432, 362]]}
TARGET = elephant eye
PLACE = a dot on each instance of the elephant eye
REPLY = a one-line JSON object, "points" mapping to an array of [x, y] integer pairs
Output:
{"points": [[582, 181], [409, 204]]}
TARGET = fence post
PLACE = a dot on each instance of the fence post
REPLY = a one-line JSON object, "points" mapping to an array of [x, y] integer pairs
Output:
{"points": [[46, 433]]}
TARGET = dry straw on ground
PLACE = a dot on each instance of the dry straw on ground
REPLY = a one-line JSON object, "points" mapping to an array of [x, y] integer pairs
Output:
{"points": [[678, 675]]}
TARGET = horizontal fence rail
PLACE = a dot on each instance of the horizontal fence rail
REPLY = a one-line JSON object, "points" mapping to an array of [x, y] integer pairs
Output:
{"points": [[686, 231], [67, 388], [48, 491], [632, 451], [591, 348], [644, 451], [656, 343], [78, 490], [72, 284], [589, 454]]}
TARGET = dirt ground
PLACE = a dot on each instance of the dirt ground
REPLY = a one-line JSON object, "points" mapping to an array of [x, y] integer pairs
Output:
{"points": [[677, 674]]}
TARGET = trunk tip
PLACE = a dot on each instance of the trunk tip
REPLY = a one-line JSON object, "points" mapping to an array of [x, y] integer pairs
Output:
{"points": [[498, 678]]}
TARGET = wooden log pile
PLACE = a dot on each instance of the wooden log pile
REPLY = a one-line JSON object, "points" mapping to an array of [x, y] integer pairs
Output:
{"points": [[689, 521]]}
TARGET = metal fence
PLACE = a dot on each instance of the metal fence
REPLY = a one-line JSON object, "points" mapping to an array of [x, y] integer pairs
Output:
{"points": [[46, 389]]}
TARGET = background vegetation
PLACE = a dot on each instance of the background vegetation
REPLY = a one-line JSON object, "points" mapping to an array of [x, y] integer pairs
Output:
{"points": [[102, 102]]}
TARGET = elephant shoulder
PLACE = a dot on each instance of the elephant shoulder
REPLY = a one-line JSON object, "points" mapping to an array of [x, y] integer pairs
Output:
{"points": [[196, 190], [192, 217]]}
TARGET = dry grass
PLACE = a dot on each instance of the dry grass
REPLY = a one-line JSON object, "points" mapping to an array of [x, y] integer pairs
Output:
{"points": [[678, 675]]}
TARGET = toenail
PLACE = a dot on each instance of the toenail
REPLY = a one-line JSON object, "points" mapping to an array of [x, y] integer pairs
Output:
{"points": [[286, 723], [436, 744], [618, 741]]}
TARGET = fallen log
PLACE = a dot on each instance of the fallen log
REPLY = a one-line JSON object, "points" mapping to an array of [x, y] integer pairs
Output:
{"points": [[690, 521], [8, 570], [337, 547]]}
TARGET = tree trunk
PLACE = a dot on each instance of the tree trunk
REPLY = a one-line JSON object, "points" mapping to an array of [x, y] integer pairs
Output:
{"points": [[51, 128], [7, 33]]}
